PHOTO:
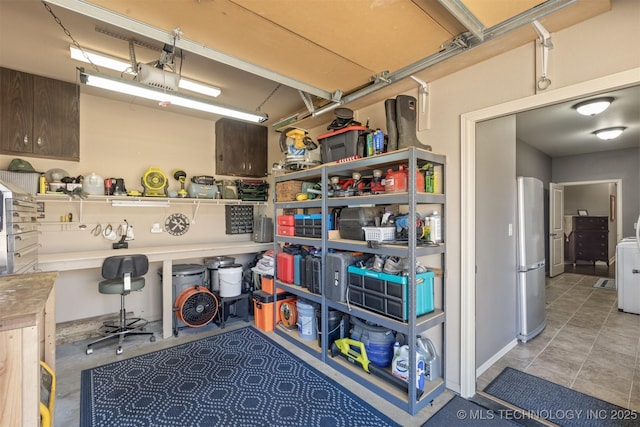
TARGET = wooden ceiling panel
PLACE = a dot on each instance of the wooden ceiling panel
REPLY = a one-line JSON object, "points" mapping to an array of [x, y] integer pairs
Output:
{"points": [[336, 44], [375, 34], [438, 13], [493, 12], [236, 31]]}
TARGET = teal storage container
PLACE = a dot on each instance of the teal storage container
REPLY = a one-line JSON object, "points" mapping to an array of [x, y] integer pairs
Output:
{"points": [[387, 293]]}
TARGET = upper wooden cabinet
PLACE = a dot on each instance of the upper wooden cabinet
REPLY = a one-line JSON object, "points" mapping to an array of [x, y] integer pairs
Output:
{"points": [[241, 148], [39, 116]]}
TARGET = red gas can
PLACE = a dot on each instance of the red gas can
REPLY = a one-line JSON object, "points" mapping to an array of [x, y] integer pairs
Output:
{"points": [[284, 267], [395, 181], [398, 181]]}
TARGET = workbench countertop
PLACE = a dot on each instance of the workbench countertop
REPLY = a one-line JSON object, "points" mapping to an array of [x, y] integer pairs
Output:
{"points": [[91, 259], [23, 297]]}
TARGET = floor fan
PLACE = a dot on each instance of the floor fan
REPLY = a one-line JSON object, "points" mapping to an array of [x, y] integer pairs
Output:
{"points": [[196, 306]]}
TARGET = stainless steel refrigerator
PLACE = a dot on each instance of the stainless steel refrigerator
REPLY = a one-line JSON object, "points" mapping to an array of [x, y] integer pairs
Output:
{"points": [[530, 293]]}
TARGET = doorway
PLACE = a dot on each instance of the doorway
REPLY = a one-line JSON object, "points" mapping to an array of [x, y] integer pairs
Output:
{"points": [[468, 184], [597, 198]]}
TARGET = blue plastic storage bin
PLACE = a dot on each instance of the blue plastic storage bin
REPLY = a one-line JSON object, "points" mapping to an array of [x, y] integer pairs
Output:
{"points": [[387, 293]]}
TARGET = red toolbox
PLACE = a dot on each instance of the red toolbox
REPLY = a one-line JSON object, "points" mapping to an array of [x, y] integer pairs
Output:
{"points": [[287, 220], [286, 230], [284, 267]]}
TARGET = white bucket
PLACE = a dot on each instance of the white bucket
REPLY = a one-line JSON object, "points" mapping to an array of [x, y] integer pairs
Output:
{"points": [[230, 278], [306, 320]]}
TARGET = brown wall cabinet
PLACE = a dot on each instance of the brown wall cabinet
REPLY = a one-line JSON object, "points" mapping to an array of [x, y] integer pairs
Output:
{"points": [[241, 148], [588, 240], [39, 116]]}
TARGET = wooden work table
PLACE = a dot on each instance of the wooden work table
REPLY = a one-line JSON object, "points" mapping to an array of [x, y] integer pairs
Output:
{"points": [[166, 254], [27, 335]]}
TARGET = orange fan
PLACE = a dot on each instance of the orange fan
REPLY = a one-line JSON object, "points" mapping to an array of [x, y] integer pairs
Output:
{"points": [[196, 306]]}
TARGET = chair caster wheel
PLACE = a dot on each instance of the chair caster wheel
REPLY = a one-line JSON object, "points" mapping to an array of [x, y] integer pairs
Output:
{"points": [[89, 351], [152, 338], [119, 350]]}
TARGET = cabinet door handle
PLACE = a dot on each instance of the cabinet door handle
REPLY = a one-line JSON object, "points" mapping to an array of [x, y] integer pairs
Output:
{"points": [[26, 140], [39, 142]]}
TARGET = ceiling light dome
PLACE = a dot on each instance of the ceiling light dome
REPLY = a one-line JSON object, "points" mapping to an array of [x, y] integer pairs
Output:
{"points": [[593, 106], [609, 133]]}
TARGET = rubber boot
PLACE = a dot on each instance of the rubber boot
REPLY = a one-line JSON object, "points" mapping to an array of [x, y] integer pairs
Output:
{"points": [[406, 115], [392, 129]]}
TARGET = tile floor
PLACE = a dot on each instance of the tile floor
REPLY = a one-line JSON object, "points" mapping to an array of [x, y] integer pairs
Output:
{"points": [[588, 345]]}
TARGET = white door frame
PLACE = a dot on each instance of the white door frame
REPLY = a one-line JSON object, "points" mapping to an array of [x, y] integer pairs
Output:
{"points": [[468, 193]]}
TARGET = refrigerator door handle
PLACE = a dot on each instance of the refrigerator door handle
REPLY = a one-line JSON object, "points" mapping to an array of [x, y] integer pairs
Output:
{"points": [[525, 268]]}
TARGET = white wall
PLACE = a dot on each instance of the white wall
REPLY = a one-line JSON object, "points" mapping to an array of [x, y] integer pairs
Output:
{"points": [[496, 198], [623, 165]]}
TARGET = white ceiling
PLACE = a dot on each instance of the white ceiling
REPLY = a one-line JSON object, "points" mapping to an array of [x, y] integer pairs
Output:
{"points": [[558, 130]]}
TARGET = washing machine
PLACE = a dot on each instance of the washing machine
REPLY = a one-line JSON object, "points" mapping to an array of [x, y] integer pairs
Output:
{"points": [[628, 275]]}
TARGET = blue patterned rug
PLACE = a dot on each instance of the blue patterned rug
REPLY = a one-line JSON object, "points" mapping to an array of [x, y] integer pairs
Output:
{"points": [[236, 378]]}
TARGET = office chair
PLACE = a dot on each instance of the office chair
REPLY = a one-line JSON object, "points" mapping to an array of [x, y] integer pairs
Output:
{"points": [[122, 275]]}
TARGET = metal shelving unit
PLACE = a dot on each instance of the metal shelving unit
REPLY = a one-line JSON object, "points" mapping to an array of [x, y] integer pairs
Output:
{"points": [[409, 401]]}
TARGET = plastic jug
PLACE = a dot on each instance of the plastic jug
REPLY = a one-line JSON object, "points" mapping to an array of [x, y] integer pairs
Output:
{"points": [[400, 366], [93, 184], [435, 226], [431, 359]]}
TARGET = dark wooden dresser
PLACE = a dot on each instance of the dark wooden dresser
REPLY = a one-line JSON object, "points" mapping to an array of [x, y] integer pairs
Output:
{"points": [[588, 239]]}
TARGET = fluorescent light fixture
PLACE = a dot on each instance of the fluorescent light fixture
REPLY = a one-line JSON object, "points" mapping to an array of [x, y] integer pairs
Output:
{"points": [[609, 133], [101, 60], [593, 106], [145, 203], [199, 87], [112, 63], [165, 99]]}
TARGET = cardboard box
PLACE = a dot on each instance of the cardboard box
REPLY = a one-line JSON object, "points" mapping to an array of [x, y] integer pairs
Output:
{"points": [[286, 191]]}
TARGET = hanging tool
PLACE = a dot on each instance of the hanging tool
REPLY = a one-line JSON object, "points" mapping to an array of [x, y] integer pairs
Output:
{"points": [[345, 347]]}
